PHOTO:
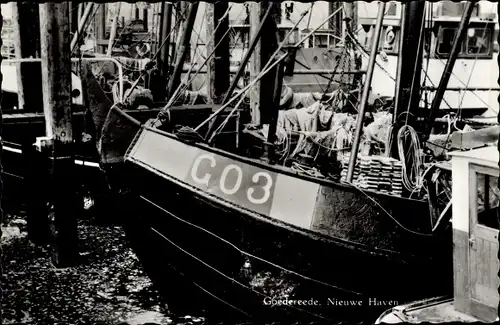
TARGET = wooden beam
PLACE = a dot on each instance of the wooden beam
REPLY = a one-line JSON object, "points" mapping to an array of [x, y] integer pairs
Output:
{"points": [[56, 78], [217, 42]]}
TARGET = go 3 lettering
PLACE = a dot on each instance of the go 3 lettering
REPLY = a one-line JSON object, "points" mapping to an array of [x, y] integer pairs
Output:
{"points": [[236, 187]]}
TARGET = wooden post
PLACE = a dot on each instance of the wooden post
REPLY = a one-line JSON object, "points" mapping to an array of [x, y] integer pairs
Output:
{"points": [[1, 149], [255, 61], [261, 94], [268, 45], [27, 45], [100, 26], [56, 77], [218, 65]]}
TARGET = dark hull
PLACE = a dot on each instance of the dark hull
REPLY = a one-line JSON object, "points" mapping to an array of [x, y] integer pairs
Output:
{"points": [[26, 172], [194, 248]]}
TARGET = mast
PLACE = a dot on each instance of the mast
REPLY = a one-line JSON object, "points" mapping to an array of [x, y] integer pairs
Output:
{"points": [[366, 92], [56, 79], [217, 42], [448, 69], [27, 45], [166, 25], [410, 62], [183, 48]]}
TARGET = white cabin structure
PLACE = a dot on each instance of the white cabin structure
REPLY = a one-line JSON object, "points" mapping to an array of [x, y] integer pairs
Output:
{"points": [[473, 85], [475, 224]]}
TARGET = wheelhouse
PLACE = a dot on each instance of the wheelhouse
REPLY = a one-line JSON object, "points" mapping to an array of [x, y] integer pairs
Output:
{"points": [[473, 86]]}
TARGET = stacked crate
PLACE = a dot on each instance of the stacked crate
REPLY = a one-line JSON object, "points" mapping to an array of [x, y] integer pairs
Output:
{"points": [[376, 173]]}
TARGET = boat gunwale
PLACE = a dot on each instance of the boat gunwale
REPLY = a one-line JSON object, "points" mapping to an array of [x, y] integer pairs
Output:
{"points": [[275, 168]]}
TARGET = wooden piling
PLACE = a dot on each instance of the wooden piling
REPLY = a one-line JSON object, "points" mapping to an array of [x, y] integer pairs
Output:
{"points": [[56, 77], [1, 149], [261, 95], [217, 42]]}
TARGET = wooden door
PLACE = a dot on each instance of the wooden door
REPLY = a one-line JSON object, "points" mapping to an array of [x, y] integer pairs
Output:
{"points": [[483, 239]]}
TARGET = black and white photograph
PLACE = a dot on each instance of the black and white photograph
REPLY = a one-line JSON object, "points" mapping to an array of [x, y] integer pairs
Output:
{"points": [[272, 162]]}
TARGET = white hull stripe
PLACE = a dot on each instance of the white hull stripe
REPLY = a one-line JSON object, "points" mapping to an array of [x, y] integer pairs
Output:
{"points": [[291, 200], [77, 161]]}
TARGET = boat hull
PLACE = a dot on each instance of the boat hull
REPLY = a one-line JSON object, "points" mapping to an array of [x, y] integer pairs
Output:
{"points": [[208, 255]]}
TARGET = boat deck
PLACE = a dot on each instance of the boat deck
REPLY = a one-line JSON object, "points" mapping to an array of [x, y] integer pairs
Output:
{"points": [[445, 312], [439, 313]]}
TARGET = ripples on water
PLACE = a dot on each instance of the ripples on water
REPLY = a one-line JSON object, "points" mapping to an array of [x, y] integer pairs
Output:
{"points": [[108, 287]]}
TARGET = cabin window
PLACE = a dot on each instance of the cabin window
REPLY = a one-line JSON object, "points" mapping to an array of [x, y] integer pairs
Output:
{"points": [[392, 10], [488, 198], [239, 39], [455, 9], [446, 37], [477, 43], [321, 41]]}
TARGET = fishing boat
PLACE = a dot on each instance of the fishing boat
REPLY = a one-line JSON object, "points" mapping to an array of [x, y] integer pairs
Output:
{"points": [[469, 92], [98, 81], [246, 233], [475, 237]]}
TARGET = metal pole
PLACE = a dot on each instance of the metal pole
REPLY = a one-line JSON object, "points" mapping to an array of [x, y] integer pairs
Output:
{"points": [[366, 92], [56, 78], [448, 69], [399, 67]]}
